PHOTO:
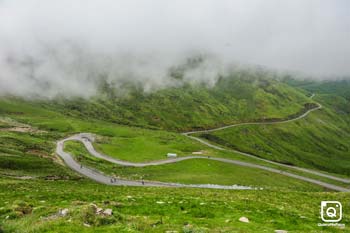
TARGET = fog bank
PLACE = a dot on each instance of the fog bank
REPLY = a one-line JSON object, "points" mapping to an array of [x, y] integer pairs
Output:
{"points": [[64, 47]]}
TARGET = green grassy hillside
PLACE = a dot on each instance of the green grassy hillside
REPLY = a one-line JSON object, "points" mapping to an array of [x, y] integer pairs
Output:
{"points": [[240, 97], [338, 87], [320, 140]]}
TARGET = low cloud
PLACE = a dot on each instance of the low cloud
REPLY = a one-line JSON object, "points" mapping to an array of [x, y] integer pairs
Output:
{"points": [[50, 48]]}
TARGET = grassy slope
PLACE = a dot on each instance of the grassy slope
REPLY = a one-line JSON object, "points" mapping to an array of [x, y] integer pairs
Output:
{"points": [[239, 98], [233, 99], [159, 209], [339, 88], [319, 141]]}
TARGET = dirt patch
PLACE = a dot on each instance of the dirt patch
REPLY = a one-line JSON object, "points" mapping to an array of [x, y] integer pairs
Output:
{"points": [[43, 154], [39, 153], [58, 160], [24, 177], [56, 177], [18, 177], [201, 152], [15, 126], [22, 130]]}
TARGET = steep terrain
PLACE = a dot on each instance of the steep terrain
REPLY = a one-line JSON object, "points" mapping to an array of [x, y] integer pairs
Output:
{"points": [[242, 96], [319, 141]]}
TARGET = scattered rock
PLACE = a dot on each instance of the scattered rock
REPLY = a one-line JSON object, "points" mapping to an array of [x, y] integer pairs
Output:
{"points": [[93, 205], [99, 211], [60, 213], [86, 225], [108, 212], [63, 212], [54, 177], [24, 177], [197, 152], [281, 231], [244, 219]]}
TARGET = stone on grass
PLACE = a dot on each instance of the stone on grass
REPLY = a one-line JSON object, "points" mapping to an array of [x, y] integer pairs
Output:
{"points": [[63, 212], [87, 225], [197, 153], [244, 219], [281, 231], [108, 212], [99, 211]]}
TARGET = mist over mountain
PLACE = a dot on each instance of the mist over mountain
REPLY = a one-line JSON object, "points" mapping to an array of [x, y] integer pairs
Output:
{"points": [[50, 48]]}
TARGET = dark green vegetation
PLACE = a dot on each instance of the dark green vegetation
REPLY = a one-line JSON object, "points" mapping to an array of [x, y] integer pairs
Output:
{"points": [[35, 184]]}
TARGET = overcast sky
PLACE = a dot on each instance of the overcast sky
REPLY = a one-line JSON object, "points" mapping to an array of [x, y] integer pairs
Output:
{"points": [[69, 41]]}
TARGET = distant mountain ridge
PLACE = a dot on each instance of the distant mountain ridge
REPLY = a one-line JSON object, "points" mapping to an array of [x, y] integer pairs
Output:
{"points": [[242, 96]]}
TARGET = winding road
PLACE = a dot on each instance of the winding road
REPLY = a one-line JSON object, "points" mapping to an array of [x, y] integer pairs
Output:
{"points": [[98, 176], [87, 139], [207, 143]]}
